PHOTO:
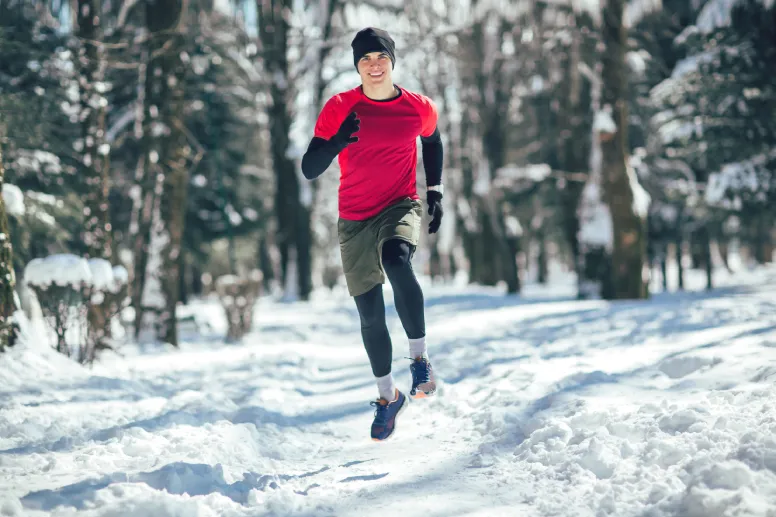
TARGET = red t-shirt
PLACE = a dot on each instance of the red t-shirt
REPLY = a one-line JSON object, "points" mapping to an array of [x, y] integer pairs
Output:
{"points": [[379, 169]]}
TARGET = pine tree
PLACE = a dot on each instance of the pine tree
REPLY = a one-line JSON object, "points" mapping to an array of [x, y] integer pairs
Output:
{"points": [[715, 128]]}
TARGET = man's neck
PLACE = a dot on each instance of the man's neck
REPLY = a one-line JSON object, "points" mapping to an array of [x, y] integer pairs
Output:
{"points": [[381, 93]]}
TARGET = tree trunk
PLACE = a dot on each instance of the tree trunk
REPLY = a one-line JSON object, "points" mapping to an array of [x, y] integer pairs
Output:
{"points": [[142, 195], [706, 240], [96, 234], [679, 266], [485, 84], [7, 277], [265, 264], [629, 252], [542, 259], [94, 171], [166, 159], [723, 244], [140, 231], [763, 248], [573, 146], [293, 218]]}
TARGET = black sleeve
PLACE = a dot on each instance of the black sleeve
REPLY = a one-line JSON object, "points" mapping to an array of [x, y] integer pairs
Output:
{"points": [[319, 155], [431, 147]]}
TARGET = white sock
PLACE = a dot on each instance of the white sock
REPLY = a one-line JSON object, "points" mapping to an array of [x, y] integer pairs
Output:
{"points": [[386, 387], [418, 348]]}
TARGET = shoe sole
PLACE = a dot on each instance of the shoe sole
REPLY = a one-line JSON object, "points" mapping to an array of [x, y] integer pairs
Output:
{"points": [[396, 418], [419, 394]]}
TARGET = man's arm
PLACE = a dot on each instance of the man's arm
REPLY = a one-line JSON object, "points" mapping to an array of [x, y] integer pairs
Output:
{"points": [[320, 153], [431, 147]]}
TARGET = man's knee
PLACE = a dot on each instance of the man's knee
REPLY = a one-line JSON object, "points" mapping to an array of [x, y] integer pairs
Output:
{"points": [[371, 310], [397, 254]]}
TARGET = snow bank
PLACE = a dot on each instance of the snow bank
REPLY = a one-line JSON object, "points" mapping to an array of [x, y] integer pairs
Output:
{"points": [[551, 406], [13, 199]]}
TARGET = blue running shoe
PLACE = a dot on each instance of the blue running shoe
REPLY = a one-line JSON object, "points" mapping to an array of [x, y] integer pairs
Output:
{"points": [[386, 412], [423, 382]]}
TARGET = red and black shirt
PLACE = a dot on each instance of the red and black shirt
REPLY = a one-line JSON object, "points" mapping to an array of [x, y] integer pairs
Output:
{"points": [[379, 168]]}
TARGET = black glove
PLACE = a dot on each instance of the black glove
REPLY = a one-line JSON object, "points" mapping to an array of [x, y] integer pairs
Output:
{"points": [[344, 136], [434, 199]]}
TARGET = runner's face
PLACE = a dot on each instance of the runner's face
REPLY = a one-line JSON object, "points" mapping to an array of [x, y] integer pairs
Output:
{"points": [[375, 69]]}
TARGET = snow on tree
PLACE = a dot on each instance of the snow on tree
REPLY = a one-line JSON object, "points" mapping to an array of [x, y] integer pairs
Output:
{"points": [[14, 200], [717, 109], [749, 182], [719, 13]]}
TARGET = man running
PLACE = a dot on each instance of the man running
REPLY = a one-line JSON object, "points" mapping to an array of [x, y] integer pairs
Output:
{"points": [[374, 129]]}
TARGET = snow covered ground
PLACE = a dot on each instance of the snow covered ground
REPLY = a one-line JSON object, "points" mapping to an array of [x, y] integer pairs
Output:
{"points": [[547, 406]]}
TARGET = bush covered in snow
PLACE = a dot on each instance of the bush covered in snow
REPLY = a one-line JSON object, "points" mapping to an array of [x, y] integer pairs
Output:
{"points": [[79, 298], [238, 296]]}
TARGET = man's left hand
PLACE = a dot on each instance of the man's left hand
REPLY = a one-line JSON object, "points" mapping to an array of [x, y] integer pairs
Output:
{"points": [[434, 199]]}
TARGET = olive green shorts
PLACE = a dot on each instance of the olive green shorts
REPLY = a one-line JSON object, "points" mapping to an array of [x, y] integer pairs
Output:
{"points": [[361, 242]]}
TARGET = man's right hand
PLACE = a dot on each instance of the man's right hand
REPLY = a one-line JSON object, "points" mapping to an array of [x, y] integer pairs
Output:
{"points": [[344, 136]]}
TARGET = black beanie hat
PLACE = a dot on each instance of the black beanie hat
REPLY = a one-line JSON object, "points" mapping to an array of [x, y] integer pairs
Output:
{"points": [[372, 40]]}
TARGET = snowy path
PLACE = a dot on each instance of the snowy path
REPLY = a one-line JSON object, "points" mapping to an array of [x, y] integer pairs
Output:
{"points": [[547, 407]]}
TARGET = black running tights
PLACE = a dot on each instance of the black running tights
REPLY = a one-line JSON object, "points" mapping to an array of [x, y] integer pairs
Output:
{"points": [[408, 299]]}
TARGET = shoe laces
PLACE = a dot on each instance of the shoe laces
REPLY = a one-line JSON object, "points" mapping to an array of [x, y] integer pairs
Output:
{"points": [[381, 412], [420, 371]]}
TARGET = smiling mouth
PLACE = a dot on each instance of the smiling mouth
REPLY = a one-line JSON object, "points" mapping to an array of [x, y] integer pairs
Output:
{"points": [[378, 74]]}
